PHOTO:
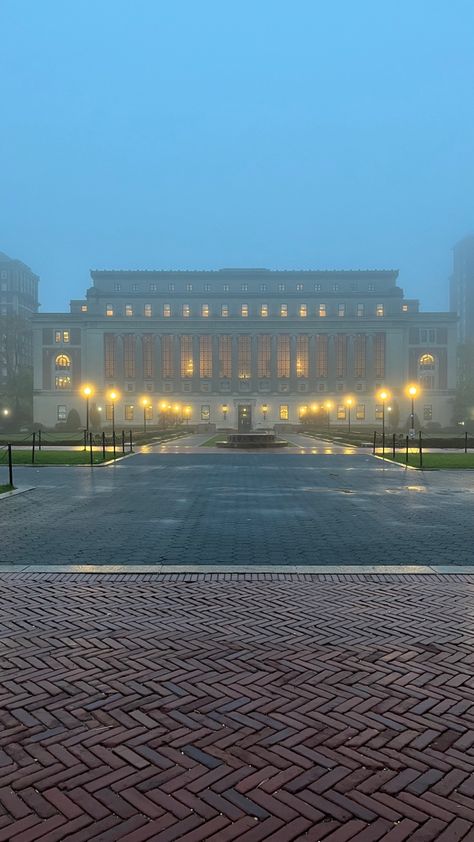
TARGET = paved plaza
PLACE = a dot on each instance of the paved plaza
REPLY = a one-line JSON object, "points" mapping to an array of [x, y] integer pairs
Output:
{"points": [[264, 707]]}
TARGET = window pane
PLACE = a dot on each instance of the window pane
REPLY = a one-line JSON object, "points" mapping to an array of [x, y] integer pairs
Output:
{"points": [[244, 347], [284, 412], [205, 356], [283, 356], [264, 356], [187, 366]]}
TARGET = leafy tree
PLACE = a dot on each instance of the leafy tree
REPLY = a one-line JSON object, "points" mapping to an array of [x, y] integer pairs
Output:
{"points": [[73, 421]]}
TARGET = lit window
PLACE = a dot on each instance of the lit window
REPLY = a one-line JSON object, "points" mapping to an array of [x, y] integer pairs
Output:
{"points": [[109, 310], [116, 287], [63, 361], [405, 308], [147, 310], [205, 412], [128, 412], [360, 411], [244, 288], [322, 311], [341, 412], [284, 413], [189, 287], [299, 287], [61, 413], [303, 311], [281, 287], [379, 310], [186, 311], [58, 336], [166, 311], [63, 381], [84, 308], [263, 287], [128, 310], [224, 311], [359, 310], [264, 311], [244, 310], [148, 410], [283, 310], [170, 287], [378, 412], [153, 287], [341, 310], [205, 311], [109, 411]]}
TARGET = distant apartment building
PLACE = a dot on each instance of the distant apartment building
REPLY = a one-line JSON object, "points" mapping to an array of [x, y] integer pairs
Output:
{"points": [[462, 288], [18, 303], [213, 346]]}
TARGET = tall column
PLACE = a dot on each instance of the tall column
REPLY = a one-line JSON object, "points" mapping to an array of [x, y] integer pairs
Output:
{"points": [[235, 364], [196, 364], [331, 364], [253, 361], [215, 363], [273, 363], [119, 378], [176, 345], [312, 363], [158, 379], [293, 379], [370, 367], [139, 363]]}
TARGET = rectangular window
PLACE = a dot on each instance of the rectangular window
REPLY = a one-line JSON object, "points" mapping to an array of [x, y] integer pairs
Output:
{"points": [[359, 311], [61, 412], [185, 311], [264, 354], [281, 287], [335, 287], [317, 287], [187, 365], [207, 287], [205, 356], [360, 345], [244, 288], [264, 311], [379, 353], [341, 355], [147, 311], [109, 355], [128, 412], [360, 411], [109, 310], [128, 310], [299, 287], [225, 311], [427, 336], [302, 356], [379, 310], [244, 310], [205, 412], [283, 310], [148, 410], [170, 287], [428, 412], [66, 337], [303, 311], [109, 411], [371, 287], [63, 381], [205, 311], [116, 287], [189, 287], [58, 335], [153, 287], [341, 310], [225, 356], [284, 412], [134, 287], [244, 351], [405, 308], [283, 356], [378, 411], [322, 311], [148, 345], [166, 311], [263, 287], [83, 308], [129, 355], [167, 356], [341, 412], [226, 288], [321, 355]]}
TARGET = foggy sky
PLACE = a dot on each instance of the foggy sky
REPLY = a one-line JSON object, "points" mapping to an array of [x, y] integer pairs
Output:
{"points": [[201, 134]]}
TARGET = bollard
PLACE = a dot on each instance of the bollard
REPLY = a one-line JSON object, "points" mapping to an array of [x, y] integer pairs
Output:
{"points": [[113, 441], [103, 444], [39, 439], [131, 442], [85, 439], [393, 447], [375, 442], [33, 450], [406, 455], [123, 441], [421, 453], [465, 442], [10, 465], [90, 449]]}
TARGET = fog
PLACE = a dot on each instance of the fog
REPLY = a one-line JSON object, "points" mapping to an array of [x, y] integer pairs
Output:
{"points": [[208, 134]]}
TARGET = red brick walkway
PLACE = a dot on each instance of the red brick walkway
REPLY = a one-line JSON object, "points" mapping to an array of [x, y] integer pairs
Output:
{"points": [[236, 707]]}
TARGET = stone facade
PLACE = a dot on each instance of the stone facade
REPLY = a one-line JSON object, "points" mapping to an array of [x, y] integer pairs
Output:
{"points": [[18, 303], [204, 345]]}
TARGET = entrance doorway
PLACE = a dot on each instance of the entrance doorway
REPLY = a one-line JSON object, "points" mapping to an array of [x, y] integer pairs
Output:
{"points": [[244, 418]]}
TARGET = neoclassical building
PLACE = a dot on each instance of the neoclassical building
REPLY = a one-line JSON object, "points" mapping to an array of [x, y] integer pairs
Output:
{"points": [[256, 344]]}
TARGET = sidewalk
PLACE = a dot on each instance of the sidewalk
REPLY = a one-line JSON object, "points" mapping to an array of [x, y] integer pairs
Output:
{"points": [[226, 706]]}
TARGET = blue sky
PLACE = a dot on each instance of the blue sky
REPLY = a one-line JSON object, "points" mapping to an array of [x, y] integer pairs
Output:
{"points": [[202, 134]]}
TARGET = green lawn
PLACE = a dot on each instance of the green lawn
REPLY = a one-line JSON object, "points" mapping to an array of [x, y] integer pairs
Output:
{"points": [[212, 441], [61, 457], [436, 461], [4, 488]]}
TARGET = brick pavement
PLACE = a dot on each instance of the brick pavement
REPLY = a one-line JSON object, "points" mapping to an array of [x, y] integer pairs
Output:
{"points": [[236, 707]]}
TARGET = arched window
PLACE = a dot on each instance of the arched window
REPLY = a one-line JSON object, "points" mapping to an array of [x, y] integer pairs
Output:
{"points": [[63, 362], [428, 371]]}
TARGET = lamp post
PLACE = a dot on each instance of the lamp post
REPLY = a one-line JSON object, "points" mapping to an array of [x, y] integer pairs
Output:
{"points": [[146, 404], [412, 391], [264, 411], [383, 396], [87, 392], [225, 409], [349, 403], [327, 407], [113, 395]]}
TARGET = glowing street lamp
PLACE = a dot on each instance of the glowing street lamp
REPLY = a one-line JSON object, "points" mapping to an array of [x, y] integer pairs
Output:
{"points": [[264, 411], [349, 403], [87, 391], [412, 391], [113, 396], [187, 413], [225, 410], [328, 407], [383, 395], [146, 404], [6, 412]]}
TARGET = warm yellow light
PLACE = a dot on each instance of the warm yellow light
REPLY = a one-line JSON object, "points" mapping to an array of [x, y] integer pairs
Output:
{"points": [[314, 407], [113, 395], [302, 410], [384, 395], [145, 401], [264, 407], [328, 405], [224, 407], [163, 405], [176, 407], [187, 410], [412, 391], [87, 391], [6, 412], [349, 402]]}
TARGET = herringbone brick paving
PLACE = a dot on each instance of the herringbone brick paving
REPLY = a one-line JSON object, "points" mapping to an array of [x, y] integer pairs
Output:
{"points": [[225, 707]]}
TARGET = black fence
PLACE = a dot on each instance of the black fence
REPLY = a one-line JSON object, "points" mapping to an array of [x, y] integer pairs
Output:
{"points": [[394, 444]]}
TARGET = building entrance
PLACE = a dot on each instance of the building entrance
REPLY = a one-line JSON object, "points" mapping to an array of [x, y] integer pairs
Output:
{"points": [[244, 418]]}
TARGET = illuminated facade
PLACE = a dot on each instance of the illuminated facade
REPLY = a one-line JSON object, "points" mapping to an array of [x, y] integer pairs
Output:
{"points": [[203, 345]]}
